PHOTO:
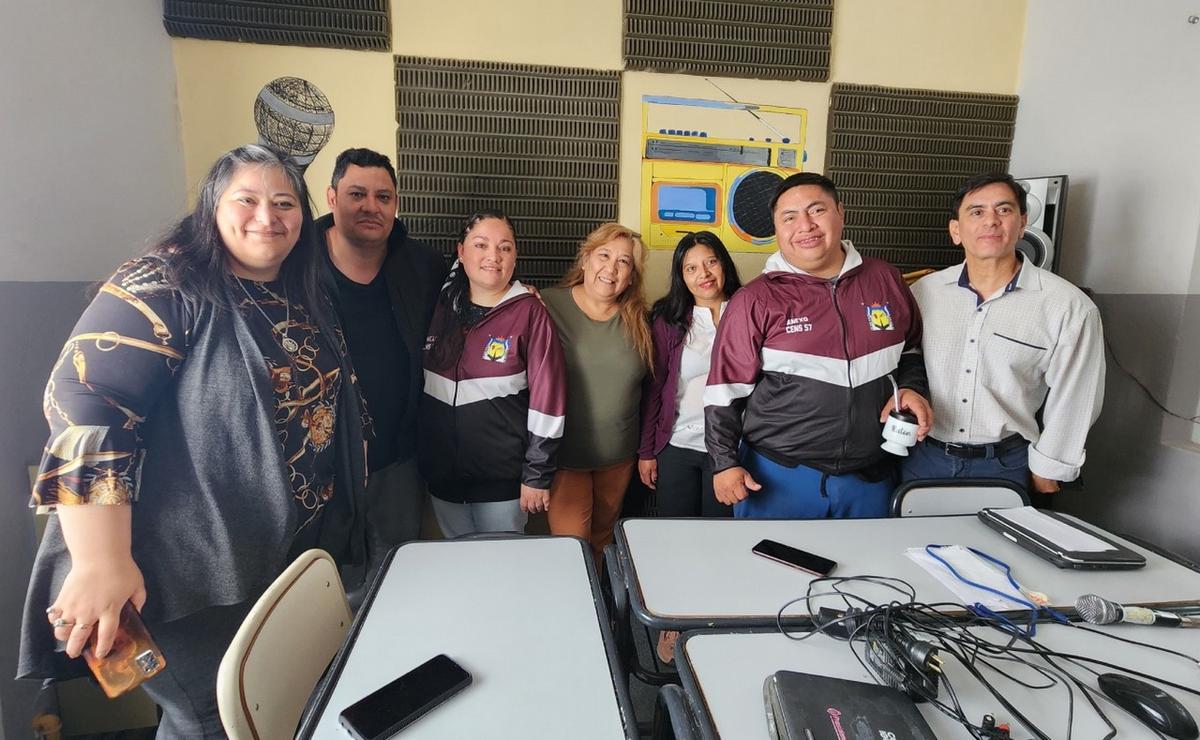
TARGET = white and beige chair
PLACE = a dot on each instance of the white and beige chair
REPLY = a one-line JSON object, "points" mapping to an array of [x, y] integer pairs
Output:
{"points": [[949, 496], [279, 653]]}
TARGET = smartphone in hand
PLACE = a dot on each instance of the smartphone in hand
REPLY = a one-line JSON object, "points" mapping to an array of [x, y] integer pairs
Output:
{"points": [[397, 705], [133, 658], [799, 559]]}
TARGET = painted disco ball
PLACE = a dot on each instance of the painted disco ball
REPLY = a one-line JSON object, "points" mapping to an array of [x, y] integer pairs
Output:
{"points": [[294, 117]]}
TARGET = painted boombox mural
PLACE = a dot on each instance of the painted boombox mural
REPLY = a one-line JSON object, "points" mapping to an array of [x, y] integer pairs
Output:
{"points": [[693, 180]]}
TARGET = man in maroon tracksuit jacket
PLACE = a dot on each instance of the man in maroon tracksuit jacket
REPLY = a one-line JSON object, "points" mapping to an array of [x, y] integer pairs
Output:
{"points": [[799, 381]]}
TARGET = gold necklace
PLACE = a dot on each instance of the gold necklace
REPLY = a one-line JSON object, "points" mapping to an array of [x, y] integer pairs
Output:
{"points": [[286, 342]]}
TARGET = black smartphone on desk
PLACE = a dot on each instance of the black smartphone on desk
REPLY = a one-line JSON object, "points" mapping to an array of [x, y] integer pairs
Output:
{"points": [[799, 559], [390, 709]]}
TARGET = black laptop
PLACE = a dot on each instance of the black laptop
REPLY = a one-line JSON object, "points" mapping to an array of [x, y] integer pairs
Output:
{"points": [[1064, 542], [801, 706]]}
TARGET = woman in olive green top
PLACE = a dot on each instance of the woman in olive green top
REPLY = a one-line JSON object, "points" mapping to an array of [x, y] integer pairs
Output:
{"points": [[600, 312]]}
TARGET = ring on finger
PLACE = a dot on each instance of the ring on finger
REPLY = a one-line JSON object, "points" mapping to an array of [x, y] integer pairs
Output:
{"points": [[60, 622]]}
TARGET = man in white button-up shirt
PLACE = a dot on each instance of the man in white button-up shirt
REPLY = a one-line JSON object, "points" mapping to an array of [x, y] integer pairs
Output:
{"points": [[1002, 340]]}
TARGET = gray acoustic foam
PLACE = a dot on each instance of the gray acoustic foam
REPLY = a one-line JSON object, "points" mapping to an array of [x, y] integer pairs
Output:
{"points": [[898, 155], [757, 39], [337, 24], [539, 143]]}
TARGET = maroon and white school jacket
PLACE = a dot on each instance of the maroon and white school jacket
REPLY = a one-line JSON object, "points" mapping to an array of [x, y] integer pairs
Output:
{"points": [[800, 365], [498, 413]]}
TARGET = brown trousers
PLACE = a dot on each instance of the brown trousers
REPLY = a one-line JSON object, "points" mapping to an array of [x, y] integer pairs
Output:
{"points": [[586, 503]]}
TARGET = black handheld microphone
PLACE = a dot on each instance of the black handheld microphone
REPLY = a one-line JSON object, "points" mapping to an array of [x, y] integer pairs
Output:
{"points": [[1097, 610]]}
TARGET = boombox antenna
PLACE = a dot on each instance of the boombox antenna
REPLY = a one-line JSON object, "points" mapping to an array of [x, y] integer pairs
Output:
{"points": [[748, 108]]}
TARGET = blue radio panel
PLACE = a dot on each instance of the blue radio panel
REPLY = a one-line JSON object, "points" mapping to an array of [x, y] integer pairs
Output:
{"points": [[695, 203]]}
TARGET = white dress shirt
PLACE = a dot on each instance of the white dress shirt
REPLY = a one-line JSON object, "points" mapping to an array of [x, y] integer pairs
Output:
{"points": [[688, 432], [993, 362]]}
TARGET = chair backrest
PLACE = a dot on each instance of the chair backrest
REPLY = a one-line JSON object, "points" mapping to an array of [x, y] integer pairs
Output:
{"points": [[946, 496], [279, 653]]}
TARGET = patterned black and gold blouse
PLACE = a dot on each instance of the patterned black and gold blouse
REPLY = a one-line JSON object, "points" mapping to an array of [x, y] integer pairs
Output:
{"points": [[128, 345]]}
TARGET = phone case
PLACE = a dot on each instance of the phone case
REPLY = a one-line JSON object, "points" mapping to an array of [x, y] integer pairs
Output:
{"points": [[134, 656], [393, 707], [793, 557]]}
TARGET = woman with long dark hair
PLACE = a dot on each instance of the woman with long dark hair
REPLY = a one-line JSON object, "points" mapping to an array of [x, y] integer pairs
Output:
{"points": [[204, 430], [495, 391], [672, 459]]}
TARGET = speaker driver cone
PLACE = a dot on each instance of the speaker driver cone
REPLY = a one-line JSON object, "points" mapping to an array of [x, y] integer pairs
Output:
{"points": [[1037, 248]]}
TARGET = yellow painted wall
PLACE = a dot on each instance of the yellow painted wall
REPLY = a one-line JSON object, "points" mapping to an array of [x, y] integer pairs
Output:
{"points": [[217, 84], [965, 45], [809, 95], [565, 33], [961, 45]]}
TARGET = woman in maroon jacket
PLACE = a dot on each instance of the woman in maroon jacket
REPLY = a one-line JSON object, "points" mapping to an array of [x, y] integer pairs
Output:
{"points": [[493, 410], [671, 458]]}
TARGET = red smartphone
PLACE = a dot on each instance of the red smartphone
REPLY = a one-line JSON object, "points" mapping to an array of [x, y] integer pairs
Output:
{"points": [[133, 658], [791, 556]]}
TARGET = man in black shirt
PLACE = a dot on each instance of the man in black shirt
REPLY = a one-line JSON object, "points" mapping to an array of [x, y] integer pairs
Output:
{"points": [[385, 285]]}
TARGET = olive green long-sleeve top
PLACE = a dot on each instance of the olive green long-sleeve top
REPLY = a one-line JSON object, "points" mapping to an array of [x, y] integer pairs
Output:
{"points": [[604, 386]]}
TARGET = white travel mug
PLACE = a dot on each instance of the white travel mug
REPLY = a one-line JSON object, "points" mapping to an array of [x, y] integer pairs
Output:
{"points": [[899, 432]]}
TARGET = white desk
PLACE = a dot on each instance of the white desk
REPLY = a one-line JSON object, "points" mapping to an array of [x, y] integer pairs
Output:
{"points": [[723, 675], [698, 573], [522, 615]]}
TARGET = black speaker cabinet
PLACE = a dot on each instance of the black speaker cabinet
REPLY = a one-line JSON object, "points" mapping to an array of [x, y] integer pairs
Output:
{"points": [[1042, 242]]}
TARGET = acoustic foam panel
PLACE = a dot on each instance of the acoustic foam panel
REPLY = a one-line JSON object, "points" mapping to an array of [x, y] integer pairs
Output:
{"points": [[539, 143], [897, 157], [337, 24], [757, 39]]}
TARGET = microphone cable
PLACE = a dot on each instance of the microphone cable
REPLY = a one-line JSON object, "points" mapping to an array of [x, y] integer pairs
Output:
{"points": [[913, 628], [1150, 645], [904, 624]]}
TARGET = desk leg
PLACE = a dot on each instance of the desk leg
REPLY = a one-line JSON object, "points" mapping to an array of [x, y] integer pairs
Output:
{"points": [[617, 603], [673, 718]]}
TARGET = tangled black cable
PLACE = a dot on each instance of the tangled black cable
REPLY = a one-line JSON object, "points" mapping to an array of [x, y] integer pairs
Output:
{"points": [[899, 642]]}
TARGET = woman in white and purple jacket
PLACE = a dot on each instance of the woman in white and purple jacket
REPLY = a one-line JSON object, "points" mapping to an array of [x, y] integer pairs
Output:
{"points": [[672, 458], [494, 405]]}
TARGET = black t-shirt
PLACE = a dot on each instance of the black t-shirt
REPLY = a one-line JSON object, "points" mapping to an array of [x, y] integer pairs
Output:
{"points": [[475, 314], [381, 362]]}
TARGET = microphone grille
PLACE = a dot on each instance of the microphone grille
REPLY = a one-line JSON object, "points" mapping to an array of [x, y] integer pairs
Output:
{"points": [[1097, 610]]}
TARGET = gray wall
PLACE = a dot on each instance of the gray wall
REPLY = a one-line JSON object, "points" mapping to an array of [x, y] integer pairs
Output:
{"points": [[1108, 96], [92, 165], [91, 150], [1134, 480], [1122, 126], [34, 320]]}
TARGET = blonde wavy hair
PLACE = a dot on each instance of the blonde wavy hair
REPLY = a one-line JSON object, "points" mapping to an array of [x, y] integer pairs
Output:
{"points": [[632, 301]]}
